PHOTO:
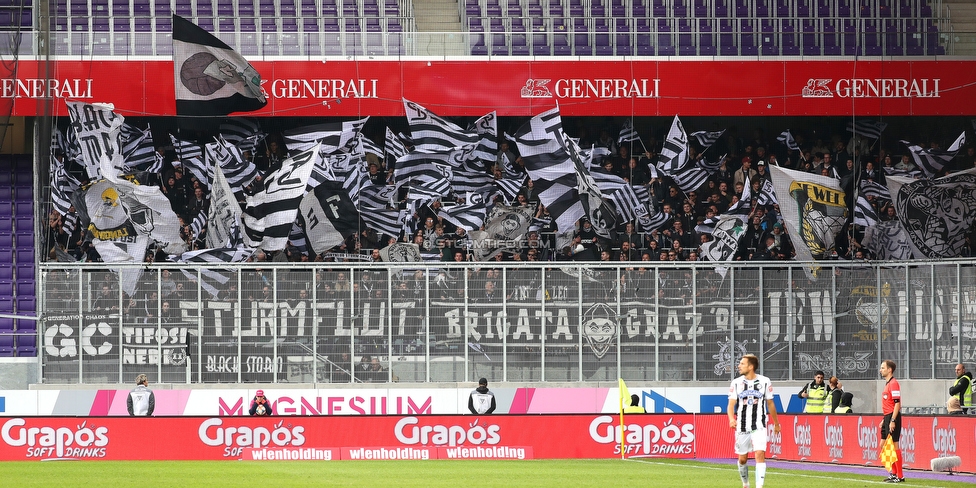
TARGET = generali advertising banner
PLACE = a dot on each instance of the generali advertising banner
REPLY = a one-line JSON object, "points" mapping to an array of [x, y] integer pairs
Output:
{"points": [[521, 88], [850, 439], [335, 438]]}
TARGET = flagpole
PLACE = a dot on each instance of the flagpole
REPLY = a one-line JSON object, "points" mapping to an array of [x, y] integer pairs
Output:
{"points": [[623, 432]]}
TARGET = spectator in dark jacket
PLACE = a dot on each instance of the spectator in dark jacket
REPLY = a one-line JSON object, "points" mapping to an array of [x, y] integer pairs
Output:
{"points": [[260, 405]]}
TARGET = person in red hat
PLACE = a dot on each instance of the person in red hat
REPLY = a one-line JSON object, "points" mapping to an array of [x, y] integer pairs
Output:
{"points": [[260, 405]]}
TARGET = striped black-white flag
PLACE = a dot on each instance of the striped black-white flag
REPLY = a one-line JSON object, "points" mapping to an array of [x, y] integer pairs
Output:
{"points": [[767, 195], [238, 171], [332, 136], [69, 222], [466, 180], [931, 161], [607, 182], [689, 179], [510, 187], [550, 167], [190, 156], [385, 221], [63, 185], [707, 138], [674, 154], [654, 221], [297, 238], [871, 129], [369, 146], [874, 189], [377, 197], [424, 172], [744, 205], [487, 129], [270, 213], [212, 276], [469, 216], [786, 137], [432, 133], [140, 153], [627, 203], [198, 224], [905, 173], [243, 133], [393, 149], [864, 213], [224, 217], [330, 216], [628, 133]]}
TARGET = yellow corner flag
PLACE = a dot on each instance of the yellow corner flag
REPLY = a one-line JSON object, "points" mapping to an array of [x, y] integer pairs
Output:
{"points": [[624, 396]]}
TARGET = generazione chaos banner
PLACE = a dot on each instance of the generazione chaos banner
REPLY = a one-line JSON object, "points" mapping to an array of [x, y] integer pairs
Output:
{"points": [[524, 88], [828, 439]]}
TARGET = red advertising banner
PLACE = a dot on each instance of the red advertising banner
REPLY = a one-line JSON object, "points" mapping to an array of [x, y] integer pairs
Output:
{"points": [[850, 439], [334, 438], [523, 88]]}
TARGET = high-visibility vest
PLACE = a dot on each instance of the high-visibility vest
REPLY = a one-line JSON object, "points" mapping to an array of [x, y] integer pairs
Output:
{"points": [[634, 409], [816, 395], [843, 410], [967, 396]]}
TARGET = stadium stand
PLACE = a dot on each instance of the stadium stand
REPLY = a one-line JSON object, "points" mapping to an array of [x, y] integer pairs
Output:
{"points": [[17, 281], [501, 27]]}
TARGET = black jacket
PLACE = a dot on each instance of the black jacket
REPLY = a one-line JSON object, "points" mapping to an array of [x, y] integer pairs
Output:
{"points": [[961, 385]]}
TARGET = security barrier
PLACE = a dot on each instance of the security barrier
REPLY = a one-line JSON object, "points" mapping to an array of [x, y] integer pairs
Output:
{"points": [[549, 322]]}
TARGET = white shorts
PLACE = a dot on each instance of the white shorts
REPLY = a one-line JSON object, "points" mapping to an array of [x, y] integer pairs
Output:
{"points": [[746, 442]]}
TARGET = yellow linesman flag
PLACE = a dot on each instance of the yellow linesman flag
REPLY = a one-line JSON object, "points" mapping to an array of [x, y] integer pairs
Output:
{"points": [[889, 454], [624, 394]]}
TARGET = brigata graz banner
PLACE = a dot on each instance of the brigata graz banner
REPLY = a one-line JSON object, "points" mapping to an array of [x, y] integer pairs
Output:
{"points": [[851, 439], [333, 438], [522, 88]]}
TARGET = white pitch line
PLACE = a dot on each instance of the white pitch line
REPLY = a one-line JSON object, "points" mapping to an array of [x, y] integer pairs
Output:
{"points": [[779, 473]]}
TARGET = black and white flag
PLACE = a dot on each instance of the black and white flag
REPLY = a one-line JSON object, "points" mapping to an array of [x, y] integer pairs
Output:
{"points": [[628, 133], [198, 224], [140, 154], [931, 161], [432, 133], [190, 156], [211, 79], [469, 216], [245, 134], [707, 138], [937, 214], [63, 185], [378, 197], [487, 129], [332, 136], [725, 238], [674, 155], [212, 276], [97, 130], [224, 217], [385, 221], [509, 186], [330, 216], [424, 173], [270, 213], [888, 241], [767, 194], [870, 129], [627, 203], [393, 149], [874, 189], [864, 214], [550, 167], [238, 172], [786, 137]]}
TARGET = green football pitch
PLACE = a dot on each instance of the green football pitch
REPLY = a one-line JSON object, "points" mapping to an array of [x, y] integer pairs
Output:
{"points": [[401, 474]]}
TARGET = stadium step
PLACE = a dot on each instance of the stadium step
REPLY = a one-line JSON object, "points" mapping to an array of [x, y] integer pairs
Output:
{"points": [[962, 16], [438, 16]]}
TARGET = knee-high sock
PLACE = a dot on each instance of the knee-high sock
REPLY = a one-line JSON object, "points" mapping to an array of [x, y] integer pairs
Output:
{"points": [[744, 474], [760, 474], [897, 468]]}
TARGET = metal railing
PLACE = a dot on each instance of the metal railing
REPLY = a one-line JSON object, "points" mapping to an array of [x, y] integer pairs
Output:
{"points": [[553, 322]]}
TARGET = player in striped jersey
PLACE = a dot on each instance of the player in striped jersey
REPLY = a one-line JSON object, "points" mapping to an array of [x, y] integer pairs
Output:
{"points": [[750, 408]]}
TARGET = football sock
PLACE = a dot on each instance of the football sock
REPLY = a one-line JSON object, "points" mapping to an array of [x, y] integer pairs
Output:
{"points": [[897, 468], [760, 474], [744, 474]]}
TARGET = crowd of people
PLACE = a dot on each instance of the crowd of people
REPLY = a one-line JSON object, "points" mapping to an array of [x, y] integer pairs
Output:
{"points": [[847, 158]]}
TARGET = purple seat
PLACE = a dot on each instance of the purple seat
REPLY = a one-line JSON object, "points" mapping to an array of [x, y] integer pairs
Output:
{"points": [[391, 8], [601, 44], [706, 38], [844, 8], [686, 39], [581, 44], [556, 8], [496, 25], [350, 8], [499, 44], [6, 272], [27, 345], [520, 46], [644, 47], [25, 288], [352, 25], [330, 24], [24, 257], [761, 8], [226, 25], [6, 289], [493, 9], [540, 45], [513, 8], [370, 8], [477, 43], [308, 8], [722, 9], [6, 325], [6, 208], [893, 38], [803, 8], [225, 8], [99, 24], [824, 8], [7, 342], [374, 44], [623, 43], [330, 8], [665, 41], [659, 8], [789, 44], [680, 8], [78, 8], [205, 8], [373, 25], [393, 25], [120, 8], [742, 9], [783, 9], [475, 25], [560, 44], [702, 8], [618, 8], [851, 44], [830, 44], [245, 8], [885, 8], [747, 38], [598, 8], [872, 41]]}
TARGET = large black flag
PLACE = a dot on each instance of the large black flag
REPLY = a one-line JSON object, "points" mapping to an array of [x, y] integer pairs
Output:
{"points": [[330, 216], [211, 79]]}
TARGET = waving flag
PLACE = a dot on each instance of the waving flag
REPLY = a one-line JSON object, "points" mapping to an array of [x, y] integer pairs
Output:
{"points": [[551, 168], [870, 129], [814, 208], [211, 79], [931, 161], [674, 155], [430, 132], [707, 138], [628, 133], [270, 213], [330, 217], [393, 149], [332, 136], [212, 276], [224, 217], [470, 216], [864, 214], [97, 130], [786, 137], [937, 214]]}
